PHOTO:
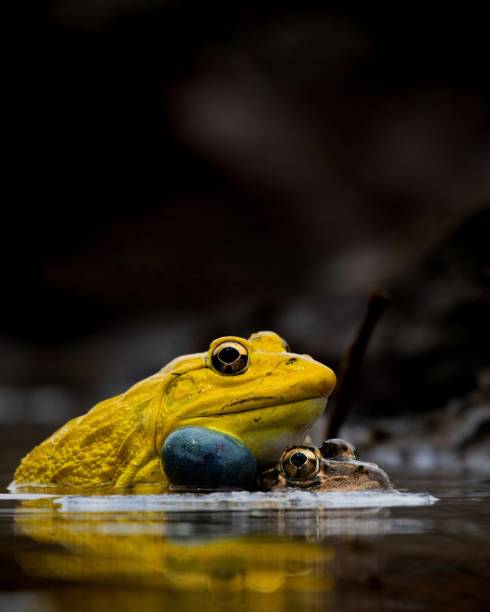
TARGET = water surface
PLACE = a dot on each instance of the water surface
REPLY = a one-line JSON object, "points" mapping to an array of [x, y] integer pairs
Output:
{"points": [[250, 551]]}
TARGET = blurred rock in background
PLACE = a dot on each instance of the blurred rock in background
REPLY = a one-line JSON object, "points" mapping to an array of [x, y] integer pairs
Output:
{"points": [[179, 171], [453, 440]]}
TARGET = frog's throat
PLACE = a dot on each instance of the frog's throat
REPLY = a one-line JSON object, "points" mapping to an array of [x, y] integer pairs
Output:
{"points": [[267, 428]]}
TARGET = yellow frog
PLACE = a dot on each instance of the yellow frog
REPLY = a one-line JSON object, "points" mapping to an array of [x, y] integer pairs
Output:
{"points": [[254, 390]]}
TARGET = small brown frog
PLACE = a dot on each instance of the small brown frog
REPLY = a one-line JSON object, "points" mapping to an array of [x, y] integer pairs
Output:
{"points": [[334, 466]]}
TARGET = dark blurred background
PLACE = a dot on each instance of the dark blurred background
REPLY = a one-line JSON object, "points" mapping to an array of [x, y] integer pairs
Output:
{"points": [[180, 170]]}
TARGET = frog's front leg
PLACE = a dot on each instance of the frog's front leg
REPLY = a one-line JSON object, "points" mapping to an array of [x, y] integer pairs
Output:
{"points": [[198, 457]]}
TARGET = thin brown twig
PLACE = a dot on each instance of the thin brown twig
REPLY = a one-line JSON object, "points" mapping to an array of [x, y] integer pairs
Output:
{"points": [[351, 362]]}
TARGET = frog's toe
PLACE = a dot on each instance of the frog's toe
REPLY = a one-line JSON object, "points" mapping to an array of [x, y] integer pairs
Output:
{"points": [[205, 458]]}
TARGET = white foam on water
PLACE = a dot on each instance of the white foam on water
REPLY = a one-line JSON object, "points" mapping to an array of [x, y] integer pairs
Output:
{"points": [[243, 501], [24, 496]]}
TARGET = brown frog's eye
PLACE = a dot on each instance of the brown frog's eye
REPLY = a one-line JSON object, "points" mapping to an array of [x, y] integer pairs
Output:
{"points": [[338, 449], [299, 463], [229, 358]]}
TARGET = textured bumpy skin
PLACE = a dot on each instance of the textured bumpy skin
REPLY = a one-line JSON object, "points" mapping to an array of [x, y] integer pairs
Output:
{"points": [[117, 444], [111, 444]]}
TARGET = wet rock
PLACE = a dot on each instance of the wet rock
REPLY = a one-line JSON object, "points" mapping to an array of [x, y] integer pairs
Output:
{"points": [[455, 439]]}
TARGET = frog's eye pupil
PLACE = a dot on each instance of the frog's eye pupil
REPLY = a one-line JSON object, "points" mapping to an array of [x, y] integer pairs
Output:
{"points": [[299, 463], [229, 358], [298, 459], [229, 354]]}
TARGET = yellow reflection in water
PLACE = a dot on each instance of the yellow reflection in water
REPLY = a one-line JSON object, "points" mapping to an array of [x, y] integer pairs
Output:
{"points": [[134, 550]]}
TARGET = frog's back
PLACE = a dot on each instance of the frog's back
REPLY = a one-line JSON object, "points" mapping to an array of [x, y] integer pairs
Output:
{"points": [[107, 447]]}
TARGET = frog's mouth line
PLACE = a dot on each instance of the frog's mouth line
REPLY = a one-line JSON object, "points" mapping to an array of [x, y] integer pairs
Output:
{"points": [[275, 403]]}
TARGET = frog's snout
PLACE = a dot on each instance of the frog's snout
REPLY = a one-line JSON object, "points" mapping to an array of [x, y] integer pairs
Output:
{"points": [[329, 380], [320, 379]]}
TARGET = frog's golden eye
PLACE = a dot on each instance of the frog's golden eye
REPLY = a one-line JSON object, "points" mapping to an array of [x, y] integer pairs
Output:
{"points": [[299, 463], [230, 358]]}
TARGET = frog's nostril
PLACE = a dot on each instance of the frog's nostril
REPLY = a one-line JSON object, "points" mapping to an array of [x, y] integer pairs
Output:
{"points": [[292, 360], [298, 459]]}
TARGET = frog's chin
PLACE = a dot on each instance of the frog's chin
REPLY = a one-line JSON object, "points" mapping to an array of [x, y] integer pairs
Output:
{"points": [[267, 431]]}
